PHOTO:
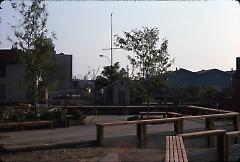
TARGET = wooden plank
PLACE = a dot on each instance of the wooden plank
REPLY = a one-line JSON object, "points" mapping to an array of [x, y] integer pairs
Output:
{"points": [[180, 151], [175, 149], [184, 154], [169, 120], [226, 115], [174, 114], [203, 133], [151, 121], [208, 109], [233, 133], [119, 123], [152, 113], [171, 149], [167, 148]]}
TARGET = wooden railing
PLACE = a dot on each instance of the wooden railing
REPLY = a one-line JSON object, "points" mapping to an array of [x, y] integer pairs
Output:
{"points": [[221, 140], [133, 110], [156, 114], [141, 128], [229, 136], [178, 125]]}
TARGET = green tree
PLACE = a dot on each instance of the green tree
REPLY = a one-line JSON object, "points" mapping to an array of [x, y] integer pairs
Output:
{"points": [[150, 60], [35, 44], [110, 74], [203, 95]]}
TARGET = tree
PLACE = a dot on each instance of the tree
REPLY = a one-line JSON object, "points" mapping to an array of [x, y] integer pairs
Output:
{"points": [[0, 3], [151, 61], [148, 58], [110, 74], [203, 95], [31, 37]]}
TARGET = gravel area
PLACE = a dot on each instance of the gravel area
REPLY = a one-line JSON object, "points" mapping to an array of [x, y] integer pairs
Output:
{"points": [[93, 154]]}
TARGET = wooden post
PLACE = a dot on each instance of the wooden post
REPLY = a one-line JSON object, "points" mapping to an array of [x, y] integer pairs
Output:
{"points": [[100, 133], [221, 146], [210, 126], [236, 121], [227, 148], [199, 112], [178, 126], [165, 115], [141, 134], [236, 126]]}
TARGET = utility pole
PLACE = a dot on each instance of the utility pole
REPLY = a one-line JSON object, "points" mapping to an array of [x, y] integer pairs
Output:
{"points": [[111, 43]]}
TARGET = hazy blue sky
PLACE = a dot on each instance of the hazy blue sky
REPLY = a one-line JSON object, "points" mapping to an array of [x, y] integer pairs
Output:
{"points": [[201, 34]]}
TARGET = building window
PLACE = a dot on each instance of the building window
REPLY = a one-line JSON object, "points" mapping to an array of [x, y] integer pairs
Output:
{"points": [[2, 91], [2, 71]]}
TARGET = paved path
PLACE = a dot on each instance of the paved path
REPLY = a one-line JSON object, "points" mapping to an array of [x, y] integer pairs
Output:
{"points": [[84, 132]]}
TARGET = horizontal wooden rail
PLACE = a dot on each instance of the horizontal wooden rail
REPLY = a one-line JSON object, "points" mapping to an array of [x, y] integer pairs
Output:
{"points": [[233, 134], [148, 121], [208, 109], [166, 120], [203, 133], [221, 140], [174, 114], [141, 127], [153, 113], [226, 115], [178, 124], [165, 114]]}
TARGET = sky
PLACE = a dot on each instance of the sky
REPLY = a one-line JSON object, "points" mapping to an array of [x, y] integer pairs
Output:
{"points": [[201, 34]]}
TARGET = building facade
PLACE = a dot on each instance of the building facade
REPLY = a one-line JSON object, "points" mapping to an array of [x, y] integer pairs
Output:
{"points": [[12, 87]]}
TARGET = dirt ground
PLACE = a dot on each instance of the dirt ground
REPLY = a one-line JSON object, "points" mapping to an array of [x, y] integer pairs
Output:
{"points": [[89, 154]]}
